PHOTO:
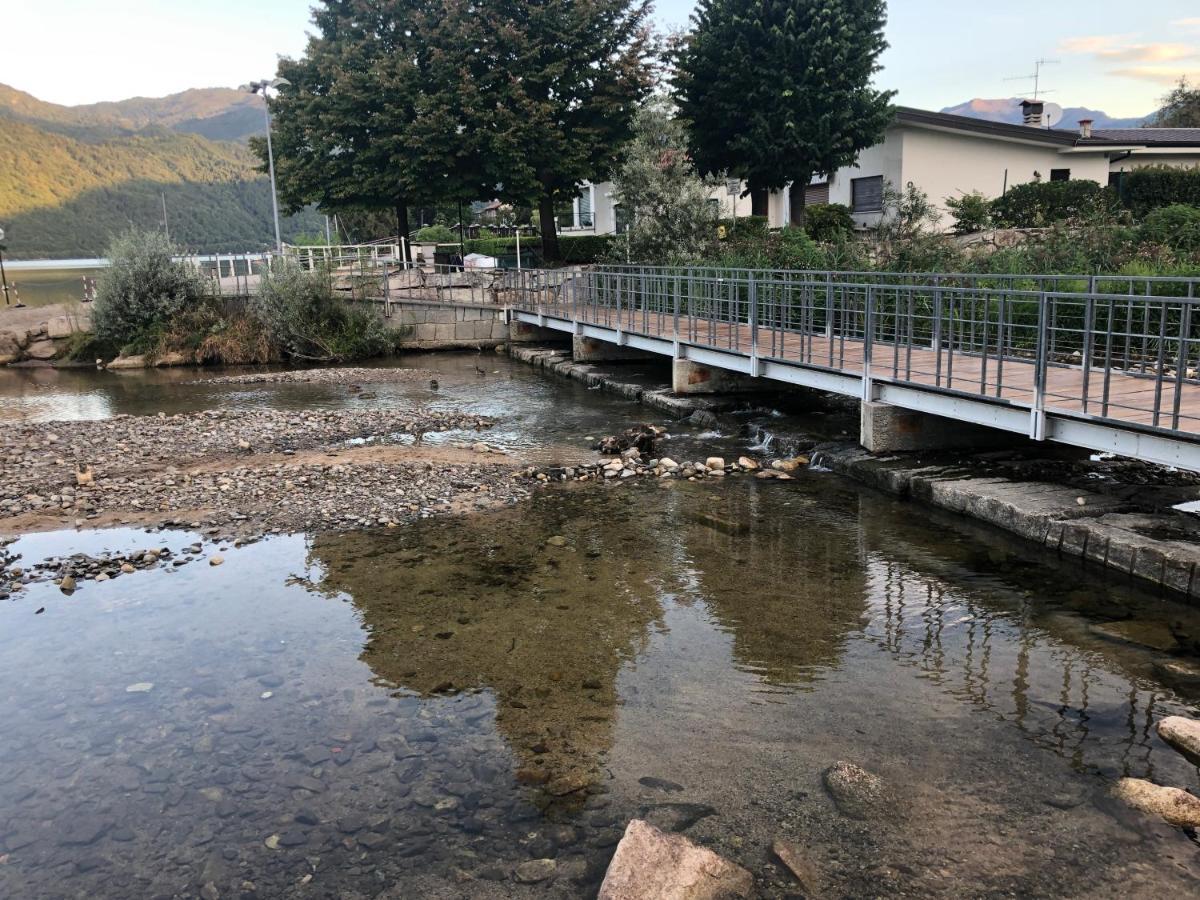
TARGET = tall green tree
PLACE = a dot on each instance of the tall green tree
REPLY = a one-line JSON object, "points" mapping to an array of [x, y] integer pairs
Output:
{"points": [[777, 91], [341, 127], [527, 99], [672, 216], [1180, 109]]}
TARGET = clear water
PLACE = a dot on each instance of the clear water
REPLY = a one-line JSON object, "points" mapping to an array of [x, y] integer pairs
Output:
{"points": [[450, 700], [44, 286]]}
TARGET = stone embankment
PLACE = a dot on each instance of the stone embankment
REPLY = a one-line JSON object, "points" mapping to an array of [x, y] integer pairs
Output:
{"points": [[247, 472], [38, 334], [1132, 531]]}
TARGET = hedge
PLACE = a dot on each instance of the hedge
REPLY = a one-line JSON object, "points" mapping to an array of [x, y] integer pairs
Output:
{"points": [[576, 249], [1154, 187], [1040, 203]]}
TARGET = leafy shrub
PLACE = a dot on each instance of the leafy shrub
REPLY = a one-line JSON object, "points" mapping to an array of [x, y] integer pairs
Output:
{"points": [[141, 291], [304, 320], [828, 222], [583, 249], [788, 248], [1176, 226], [745, 226], [972, 212], [435, 234], [1153, 187], [1037, 204]]}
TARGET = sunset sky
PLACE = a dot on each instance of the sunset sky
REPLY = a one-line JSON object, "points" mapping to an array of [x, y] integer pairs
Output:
{"points": [[1112, 56]]}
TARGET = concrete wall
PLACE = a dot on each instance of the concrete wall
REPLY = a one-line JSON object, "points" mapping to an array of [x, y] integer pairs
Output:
{"points": [[883, 159], [442, 326]]}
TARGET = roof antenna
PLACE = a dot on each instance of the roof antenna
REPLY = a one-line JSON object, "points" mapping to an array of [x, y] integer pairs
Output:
{"points": [[1036, 77]]}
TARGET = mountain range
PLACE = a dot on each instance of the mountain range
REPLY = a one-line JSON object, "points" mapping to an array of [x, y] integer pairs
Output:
{"points": [[1009, 110], [73, 176]]}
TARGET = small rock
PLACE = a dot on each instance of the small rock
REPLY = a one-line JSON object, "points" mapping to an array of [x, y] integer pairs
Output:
{"points": [[667, 463], [272, 843], [67, 584], [216, 560], [798, 863], [556, 541], [857, 793], [142, 687], [534, 870], [1175, 806], [747, 463], [1183, 734], [715, 463], [650, 863]]}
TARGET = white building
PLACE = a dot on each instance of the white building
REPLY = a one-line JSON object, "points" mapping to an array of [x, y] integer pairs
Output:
{"points": [[947, 156]]}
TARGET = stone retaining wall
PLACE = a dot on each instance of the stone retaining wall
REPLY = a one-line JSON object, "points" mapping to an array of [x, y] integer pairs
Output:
{"points": [[442, 326]]}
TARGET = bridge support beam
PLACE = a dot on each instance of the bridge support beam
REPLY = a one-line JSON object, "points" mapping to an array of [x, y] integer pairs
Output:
{"points": [[588, 349], [884, 428], [688, 377]]}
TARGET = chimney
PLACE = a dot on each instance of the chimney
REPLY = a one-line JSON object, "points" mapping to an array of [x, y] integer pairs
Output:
{"points": [[1032, 112], [1085, 128]]}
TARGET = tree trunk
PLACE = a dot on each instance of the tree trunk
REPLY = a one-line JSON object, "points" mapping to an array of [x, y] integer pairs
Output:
{"points": [[759, 199], [549, 227], [402, 229]]}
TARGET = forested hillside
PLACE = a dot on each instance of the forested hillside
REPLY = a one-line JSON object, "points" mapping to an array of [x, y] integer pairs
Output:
{"points": [[72, 176]]}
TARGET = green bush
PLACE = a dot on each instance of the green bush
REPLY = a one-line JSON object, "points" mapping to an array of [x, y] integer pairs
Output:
{"points": [[142, 289], [304, 320], [828, 222], [972, 212], [584, 249], [495, 246], [1153, 187], [1041, 203], [1176, 226], [436, 234], [745, 226]]}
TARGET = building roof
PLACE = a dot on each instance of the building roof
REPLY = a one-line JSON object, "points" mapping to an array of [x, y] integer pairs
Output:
{"points": [[1057, 137], [1152, 137]]}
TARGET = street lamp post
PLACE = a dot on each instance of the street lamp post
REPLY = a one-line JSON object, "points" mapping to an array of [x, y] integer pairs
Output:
{"points": [[3, 277], [260, 87]]}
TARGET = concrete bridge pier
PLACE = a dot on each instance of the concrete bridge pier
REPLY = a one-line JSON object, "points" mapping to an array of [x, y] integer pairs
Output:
{"points": [[884, 428], [586, 349]]}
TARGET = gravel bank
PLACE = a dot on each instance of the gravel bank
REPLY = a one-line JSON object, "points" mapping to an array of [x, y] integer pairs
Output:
{"points": [[349, 375], [247, 472]]}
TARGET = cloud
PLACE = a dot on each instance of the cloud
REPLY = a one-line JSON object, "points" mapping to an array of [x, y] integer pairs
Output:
{"points": [[1187, 24], [1162, 62], [1159, 74]]}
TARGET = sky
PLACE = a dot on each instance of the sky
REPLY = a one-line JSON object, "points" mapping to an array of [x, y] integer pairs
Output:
{"points": [[1111, 55]]}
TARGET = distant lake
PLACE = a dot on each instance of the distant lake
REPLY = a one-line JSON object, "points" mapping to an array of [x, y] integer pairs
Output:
{"points": [[41, 282]]}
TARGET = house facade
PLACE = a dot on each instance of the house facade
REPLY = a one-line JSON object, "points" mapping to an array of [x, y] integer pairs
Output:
{"points": [[945, 156]]}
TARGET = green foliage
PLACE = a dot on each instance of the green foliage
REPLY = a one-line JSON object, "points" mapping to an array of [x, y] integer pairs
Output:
{"points": [[972, 212], [1153, 187], [436, 234], [907, 213], [1177, 227], [583, 249], [672, 218], [1180, 109], [305, 321], [788, 248], [61, 196], [778, 92], [1037, 204], [142, 290], [828, 222], [745, 226]]}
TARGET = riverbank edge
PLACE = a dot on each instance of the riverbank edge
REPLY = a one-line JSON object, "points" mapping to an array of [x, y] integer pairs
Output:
{"points": [[1101, 531]]}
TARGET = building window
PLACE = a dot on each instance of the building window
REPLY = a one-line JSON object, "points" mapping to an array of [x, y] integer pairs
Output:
{"points": [[817, 194], [1060, 174], [866, 194]]}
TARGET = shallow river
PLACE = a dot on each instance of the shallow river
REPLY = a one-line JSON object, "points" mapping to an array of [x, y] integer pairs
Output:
{"points": [[416, 712]]}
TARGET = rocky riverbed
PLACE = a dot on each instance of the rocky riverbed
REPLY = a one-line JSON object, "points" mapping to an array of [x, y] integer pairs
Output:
{"points": [[348, 375], [248, 472]]}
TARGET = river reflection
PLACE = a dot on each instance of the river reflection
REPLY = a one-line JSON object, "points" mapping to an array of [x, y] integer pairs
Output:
{"points": [[415, 712]]}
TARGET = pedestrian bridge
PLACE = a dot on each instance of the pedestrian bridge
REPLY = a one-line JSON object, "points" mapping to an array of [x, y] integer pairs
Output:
{"points": [[1105, 363]]}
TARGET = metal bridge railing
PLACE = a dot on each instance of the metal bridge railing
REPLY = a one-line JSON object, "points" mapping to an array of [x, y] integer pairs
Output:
{"points": [[1115, 348]]}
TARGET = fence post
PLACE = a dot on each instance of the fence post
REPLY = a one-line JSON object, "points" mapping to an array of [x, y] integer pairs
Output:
{"points": [[1037, 415], [752, 299], [868, 337]]}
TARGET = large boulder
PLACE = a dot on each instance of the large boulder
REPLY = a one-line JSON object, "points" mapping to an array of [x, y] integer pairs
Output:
{"points": [[128, 362], [653, 864], [1175, 806], [42, 350], [10, 348], [1183, 734]]}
